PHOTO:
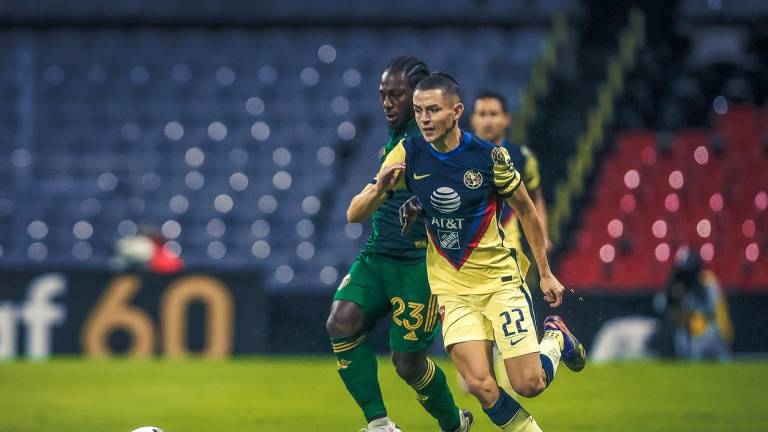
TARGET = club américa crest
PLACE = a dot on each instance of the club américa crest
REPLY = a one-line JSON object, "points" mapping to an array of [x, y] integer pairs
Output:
{"points": [[473, 179]]}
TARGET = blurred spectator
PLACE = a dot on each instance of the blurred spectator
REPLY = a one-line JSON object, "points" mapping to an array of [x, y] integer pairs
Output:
{"points": [[696, 322], [146, 251]]}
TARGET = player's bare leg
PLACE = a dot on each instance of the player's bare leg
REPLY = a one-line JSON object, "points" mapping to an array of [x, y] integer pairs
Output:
{"points": [[474, 360], [526, 375]]}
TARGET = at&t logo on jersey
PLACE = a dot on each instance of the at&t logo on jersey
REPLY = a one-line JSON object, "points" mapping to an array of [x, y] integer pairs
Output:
{"points": [[445, 200]]}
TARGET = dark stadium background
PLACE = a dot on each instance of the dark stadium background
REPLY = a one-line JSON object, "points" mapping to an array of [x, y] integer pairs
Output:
{"points": [[240, 130]]}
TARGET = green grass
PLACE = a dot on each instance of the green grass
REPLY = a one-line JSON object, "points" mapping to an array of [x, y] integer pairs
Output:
{"points": [[305, 394]]}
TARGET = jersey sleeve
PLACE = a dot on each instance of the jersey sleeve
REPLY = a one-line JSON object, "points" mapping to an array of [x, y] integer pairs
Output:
{"points": [[397, 155], [531, 174], [505, 176]]}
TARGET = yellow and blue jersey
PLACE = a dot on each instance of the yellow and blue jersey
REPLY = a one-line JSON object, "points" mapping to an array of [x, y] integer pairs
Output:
{"points": [[462, 207], [521, 157]]}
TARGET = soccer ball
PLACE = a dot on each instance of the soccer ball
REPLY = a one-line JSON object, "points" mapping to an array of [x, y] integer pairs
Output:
{"points": [[148, 429]]}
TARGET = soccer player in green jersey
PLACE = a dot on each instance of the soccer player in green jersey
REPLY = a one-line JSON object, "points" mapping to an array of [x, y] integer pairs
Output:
{"points": [[390, 274]]}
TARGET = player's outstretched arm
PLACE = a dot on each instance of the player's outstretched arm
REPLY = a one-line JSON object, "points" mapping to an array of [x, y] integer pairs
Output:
{"points": [[364, 204], [534, 232], [541, 209], [510, 186]]}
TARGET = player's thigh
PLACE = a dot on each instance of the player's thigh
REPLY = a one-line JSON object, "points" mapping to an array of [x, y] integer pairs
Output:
{"points": [[473, 359], [363, 287], [463, 320], [414, 308], [514, 328]]}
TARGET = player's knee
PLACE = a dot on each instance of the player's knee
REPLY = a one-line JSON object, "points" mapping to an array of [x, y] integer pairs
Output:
{"points": [[529, 388], [485, 388], [343, 323], [409, 368]]}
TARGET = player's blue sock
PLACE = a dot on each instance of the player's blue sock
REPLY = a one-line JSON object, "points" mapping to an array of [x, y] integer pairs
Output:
{"points": [[508, 415], [505, 408]]}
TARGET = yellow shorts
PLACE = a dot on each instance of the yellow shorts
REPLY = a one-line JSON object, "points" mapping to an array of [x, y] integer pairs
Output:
{"points": [[504, 317]]}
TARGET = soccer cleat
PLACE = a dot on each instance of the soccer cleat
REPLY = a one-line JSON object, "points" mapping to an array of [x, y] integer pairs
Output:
{"points": [[467, 420], [574, 354], [381, 425]]}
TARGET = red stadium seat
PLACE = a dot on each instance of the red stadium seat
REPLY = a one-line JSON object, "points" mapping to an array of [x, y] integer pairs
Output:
{"points": [[690, 195]]}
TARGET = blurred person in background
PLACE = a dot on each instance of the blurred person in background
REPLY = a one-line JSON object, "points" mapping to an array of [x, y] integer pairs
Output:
{"points": [[696, 321], [145, 251], [490, 121]]}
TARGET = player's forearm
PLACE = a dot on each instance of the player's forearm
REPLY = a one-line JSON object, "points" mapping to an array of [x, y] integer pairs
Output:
{"points": [[364, 204], [541, 210], [534, 232]]}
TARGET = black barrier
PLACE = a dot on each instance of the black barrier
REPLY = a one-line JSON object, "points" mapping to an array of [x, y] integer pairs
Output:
{"points": [[217, 315], [102, 314]]}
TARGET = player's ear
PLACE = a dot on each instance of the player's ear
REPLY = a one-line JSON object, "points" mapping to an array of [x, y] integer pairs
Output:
{"points": [[458, 110]]}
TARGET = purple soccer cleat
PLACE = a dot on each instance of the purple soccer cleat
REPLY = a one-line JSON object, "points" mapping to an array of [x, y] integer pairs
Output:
{"points": [[573, 354]]}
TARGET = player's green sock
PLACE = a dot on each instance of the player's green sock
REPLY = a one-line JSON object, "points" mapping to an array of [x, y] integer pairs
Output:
{"points": [[435, 396], [359, 371]]}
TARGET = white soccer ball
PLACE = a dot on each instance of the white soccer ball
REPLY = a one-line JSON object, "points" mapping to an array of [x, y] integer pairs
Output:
{"points": [[148, 429]]}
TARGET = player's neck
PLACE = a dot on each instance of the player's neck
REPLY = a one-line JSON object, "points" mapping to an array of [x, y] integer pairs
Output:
{"points": [[450, 141]]}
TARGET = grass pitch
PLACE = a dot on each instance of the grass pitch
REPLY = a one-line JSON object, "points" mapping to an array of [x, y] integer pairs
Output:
{"points": [[305, 394]]}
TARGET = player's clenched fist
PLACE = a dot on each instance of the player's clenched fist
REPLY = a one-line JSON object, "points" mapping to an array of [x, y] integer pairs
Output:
{"points": [[505, 177], [389, 177], [553, 290]]}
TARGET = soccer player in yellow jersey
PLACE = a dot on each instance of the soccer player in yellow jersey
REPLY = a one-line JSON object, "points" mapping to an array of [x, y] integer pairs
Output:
{"points": [[462, 183]]}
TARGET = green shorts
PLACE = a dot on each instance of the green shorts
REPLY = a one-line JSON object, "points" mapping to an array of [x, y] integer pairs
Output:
{"points": [[378, 286]]}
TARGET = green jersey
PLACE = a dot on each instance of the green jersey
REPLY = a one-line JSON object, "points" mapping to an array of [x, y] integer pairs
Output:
{"points": [[386, 240]]}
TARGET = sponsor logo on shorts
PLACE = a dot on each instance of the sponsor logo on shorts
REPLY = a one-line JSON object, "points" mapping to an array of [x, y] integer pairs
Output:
{"points": [[449, 239], [516, 341]]}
